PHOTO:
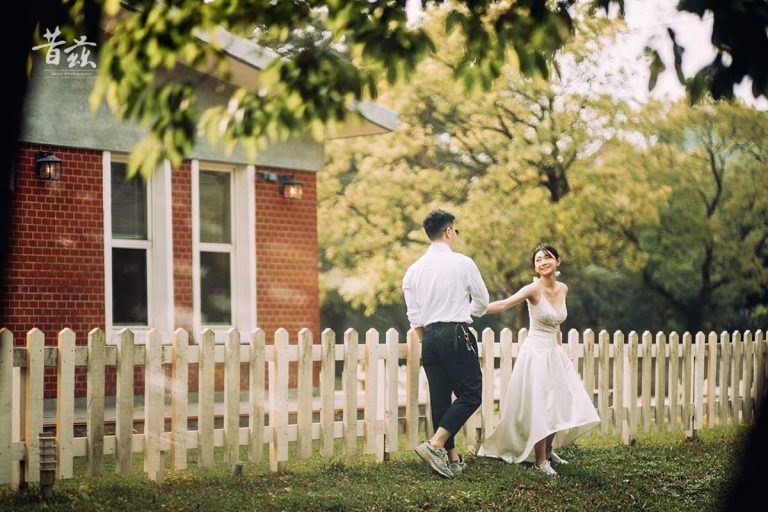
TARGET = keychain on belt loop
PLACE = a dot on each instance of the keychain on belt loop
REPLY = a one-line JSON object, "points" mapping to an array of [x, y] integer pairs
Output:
{"points": [[467, 341]]}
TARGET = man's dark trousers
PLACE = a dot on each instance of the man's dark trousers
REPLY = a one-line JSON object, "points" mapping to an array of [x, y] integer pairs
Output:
{"points": [[452, 366]]}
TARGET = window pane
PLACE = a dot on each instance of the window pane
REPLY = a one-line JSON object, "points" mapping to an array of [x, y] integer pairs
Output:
{"points": [[215, 207], [129, 205], [215, 288], [129, 287]]}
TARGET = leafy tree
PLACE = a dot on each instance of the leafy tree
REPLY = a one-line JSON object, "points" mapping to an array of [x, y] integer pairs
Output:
{"points": [[493, 157]]}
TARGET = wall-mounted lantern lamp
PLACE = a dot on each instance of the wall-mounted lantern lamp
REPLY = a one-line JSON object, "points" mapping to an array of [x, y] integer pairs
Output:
{"points": [[47, 166], [290, 187]]}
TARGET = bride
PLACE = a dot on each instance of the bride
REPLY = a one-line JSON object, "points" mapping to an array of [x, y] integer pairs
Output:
{"points": [[546, 404]]}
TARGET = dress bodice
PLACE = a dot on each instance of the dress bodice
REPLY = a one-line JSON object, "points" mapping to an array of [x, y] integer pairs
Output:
{"points": [[544, 318]]}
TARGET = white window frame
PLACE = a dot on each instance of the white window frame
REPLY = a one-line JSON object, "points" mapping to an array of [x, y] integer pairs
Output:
{"points": [[158, 246], [242, 248]]}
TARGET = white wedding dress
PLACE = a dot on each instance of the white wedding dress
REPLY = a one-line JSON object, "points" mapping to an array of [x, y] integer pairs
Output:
{"points": [[545, 394]]}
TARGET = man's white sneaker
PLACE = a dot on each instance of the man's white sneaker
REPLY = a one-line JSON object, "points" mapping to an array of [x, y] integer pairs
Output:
{"points": [[556, 459], [545, 468]]}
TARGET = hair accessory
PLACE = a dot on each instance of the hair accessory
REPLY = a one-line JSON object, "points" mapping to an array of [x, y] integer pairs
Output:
{"points": [[557, 273]]}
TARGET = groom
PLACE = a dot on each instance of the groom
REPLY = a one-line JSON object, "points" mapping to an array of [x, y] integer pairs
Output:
{"points": [[442, 289]]}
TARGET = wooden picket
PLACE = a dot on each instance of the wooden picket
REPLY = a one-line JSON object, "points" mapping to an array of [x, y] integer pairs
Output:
{"points": [[349, 379], [206, 373], [633, 382], [154, 393], [327, 392], [257, 395], [647, 381], [6, 404], [65, 403], [661, 381], [278, 417], [619, 360], [95, 400], [392, 409], [736, 378], [232, 397], [664, 383], [603, 383], [124, 402], [180, 393], [304, 412], [674, 380], [711, 377]]}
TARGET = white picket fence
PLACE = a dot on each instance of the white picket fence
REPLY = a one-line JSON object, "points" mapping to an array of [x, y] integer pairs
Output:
{"points": [[639, 383]]}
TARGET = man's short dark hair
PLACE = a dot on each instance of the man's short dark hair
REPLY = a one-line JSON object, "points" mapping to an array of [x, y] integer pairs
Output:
{"points": [[436, 222]]}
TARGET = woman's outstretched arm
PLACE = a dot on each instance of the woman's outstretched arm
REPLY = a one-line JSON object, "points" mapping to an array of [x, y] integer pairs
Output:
{"points": [[526, 292]]}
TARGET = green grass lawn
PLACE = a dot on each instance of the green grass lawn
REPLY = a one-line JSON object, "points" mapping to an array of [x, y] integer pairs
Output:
{"points": [[660, 472]]}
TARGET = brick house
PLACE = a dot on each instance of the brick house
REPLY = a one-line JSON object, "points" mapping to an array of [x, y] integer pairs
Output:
{"points": [[213, 243]]}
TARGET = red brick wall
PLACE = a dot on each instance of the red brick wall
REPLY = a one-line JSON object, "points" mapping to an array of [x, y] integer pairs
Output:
{"points": [[55, 274], [287, 264]]}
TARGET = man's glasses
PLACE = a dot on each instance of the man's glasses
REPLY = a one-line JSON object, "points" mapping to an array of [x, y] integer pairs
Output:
{"points": [[455, 230]]}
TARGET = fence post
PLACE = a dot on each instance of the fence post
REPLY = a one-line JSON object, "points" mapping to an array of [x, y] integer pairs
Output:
{"points": [[205, 382], [412, 367], [179, 398], [661, 381], [304, 414], [349, 382], [505, 366], [674, 379], [124, 402], [6, 405], [698, 384], [95, 398], [65, 402], [725, 377], [256, 394], [618, 382], [711, 378], [154, 394], [327, 391], [736, 374], [33, 405], [589, 364], [278, 416], [373, 442], [603, 384], [647, 380], [232, 397], [748, 381], [392, 406], [486, 405], [687, 418], [633, 382]]}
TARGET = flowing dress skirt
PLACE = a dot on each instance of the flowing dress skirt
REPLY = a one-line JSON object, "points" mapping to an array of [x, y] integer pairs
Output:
{"points": [[545, 396]]}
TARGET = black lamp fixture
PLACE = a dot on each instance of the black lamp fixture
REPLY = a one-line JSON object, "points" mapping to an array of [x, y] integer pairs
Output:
{"points": [[290, 187], [47, 166]]}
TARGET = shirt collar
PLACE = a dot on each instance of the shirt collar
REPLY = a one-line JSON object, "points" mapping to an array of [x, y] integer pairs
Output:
{"points": [[439, 247]]}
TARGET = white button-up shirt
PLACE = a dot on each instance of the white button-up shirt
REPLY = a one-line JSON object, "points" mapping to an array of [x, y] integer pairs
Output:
{"points": [[443, 286]]}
